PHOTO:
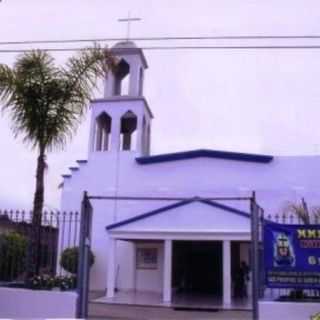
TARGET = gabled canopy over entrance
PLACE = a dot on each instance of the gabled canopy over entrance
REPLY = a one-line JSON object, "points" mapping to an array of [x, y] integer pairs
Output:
{"points": [[192, 219]]}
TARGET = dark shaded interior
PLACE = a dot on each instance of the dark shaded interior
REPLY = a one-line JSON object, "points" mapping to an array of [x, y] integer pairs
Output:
{"points": [[197, 267]]}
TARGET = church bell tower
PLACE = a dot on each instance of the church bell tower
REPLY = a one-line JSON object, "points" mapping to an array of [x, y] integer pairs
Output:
{"points": [[121, 120]]}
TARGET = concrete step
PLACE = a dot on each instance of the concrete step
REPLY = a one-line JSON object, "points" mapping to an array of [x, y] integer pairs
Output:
{"points": [[130, 312]]}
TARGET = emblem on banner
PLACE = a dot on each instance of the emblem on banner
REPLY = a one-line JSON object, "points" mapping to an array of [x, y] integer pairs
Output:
{"points": [[283, 253]]}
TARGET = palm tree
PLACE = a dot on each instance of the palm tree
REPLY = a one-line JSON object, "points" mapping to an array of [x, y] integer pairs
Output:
{"points": [[301, 210], [46, 104]]}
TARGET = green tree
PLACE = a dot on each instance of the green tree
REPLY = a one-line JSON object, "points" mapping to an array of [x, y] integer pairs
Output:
{"points": [[12, 255], [46, 103], [69, 259]]}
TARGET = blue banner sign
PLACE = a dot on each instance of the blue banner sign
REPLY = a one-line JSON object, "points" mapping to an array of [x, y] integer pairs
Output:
{"points": [[292, 255]]}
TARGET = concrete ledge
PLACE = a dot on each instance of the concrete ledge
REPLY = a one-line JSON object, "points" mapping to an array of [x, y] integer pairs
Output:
{"points": [[288, 310], [25, 303]]}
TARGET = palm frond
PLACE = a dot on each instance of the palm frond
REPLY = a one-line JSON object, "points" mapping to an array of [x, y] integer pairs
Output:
{"points": [[81, 74], [7, 84], [316, 211], [78, 80], [298, 209], [29, 104]]}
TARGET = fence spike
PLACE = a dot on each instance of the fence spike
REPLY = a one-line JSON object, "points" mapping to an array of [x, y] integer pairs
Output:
{"points": [[291, 218], [17, 213]]}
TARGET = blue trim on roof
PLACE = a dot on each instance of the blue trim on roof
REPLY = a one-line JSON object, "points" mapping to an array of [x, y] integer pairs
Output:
{"points": [[73, 168], [148, 214], [226, 208], [205, 153], [173, 206], [82, 161], [66, 175]]}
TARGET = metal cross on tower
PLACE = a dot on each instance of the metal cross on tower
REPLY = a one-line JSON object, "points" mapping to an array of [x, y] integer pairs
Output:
{"points": [[128, 20]]}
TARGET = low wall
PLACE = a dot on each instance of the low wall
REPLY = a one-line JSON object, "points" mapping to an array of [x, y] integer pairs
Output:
{"points": [[24, 303], [288, 310]]}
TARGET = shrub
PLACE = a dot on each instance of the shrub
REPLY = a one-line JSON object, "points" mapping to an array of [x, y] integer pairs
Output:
{"points": [[47, 282], [69, 259], [13, 249]]}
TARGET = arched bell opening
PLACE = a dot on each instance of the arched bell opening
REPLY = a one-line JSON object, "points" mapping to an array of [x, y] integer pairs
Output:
{"points": [[103, 130], [121, 75], [128, 133]]}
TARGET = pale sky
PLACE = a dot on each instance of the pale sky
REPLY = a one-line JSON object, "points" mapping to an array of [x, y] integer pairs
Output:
{"points": [[260, 101]]}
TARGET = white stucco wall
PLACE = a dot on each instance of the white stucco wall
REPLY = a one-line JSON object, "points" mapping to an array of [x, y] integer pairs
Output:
{"points": [[23, 303], [288, 310], [151, 279]]}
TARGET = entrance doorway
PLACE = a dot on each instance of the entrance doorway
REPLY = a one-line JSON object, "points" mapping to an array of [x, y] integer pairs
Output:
{"points": [[197, 267], [240, 267]]}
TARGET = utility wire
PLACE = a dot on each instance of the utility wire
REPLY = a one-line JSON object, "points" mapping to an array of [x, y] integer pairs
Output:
{"points": [[159, 48], [244, 37]]}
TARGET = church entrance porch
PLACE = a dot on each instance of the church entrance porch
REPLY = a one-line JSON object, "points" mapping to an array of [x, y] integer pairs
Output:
{"points": [[186, 273], [175, 252]]}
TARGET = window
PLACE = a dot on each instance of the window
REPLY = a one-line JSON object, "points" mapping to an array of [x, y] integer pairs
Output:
{"points": [[147, 258]]}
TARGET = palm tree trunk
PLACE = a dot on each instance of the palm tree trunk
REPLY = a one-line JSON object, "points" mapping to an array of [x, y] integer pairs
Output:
{"points": [[34, 248]]}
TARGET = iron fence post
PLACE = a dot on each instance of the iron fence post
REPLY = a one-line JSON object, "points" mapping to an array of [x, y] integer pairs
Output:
{"points": [[84, 257], [255, 255]]}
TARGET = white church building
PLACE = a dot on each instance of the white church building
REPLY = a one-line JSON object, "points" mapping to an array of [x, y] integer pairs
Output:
{"points": [[170, 248]]}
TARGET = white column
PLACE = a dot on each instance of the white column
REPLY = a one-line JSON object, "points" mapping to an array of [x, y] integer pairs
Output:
{"points": [[109, 84], [134, 79], [226, 273], [111, 274], [134, 266], [167, 269], [115, 134], [139, 143], [92, 134]]}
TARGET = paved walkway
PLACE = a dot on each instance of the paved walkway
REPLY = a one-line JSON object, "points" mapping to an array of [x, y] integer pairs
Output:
{"points": [[124, 312], [141, 298]]}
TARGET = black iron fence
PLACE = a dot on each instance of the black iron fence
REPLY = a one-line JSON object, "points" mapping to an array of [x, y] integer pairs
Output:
{"points": [[291, 218], [58, 249], [64, 253]]}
